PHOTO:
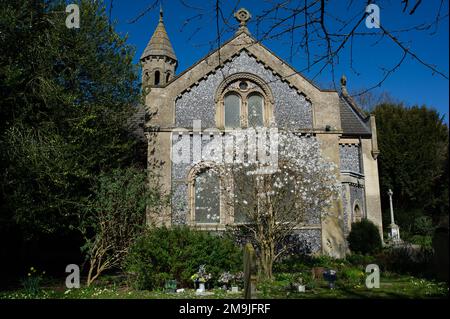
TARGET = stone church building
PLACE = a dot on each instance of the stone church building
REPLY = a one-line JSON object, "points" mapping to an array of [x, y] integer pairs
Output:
{"points": [[241, 83]]}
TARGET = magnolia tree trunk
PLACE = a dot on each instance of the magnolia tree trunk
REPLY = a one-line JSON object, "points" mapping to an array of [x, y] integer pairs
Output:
{"points": [[266, 260], [266, 232]]}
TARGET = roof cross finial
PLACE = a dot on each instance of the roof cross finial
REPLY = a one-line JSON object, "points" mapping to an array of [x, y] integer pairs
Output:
{"points": [[344, 85], [160, 11], [242, 16]]}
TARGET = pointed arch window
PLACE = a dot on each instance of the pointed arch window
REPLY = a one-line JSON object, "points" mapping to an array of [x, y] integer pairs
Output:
{"points": [[357, 213]]}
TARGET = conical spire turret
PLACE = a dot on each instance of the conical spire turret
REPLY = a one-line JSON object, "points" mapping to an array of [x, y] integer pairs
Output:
{"points": [[159, 44], [159, 61]]}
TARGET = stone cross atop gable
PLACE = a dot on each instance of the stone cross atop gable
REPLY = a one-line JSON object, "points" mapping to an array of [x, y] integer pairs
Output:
{"points": [[242, 16]]}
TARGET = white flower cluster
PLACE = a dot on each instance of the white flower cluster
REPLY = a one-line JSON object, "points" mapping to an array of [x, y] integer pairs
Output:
{"points": [[303, 180]]}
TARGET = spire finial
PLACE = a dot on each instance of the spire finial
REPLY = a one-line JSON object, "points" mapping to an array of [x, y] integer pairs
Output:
{"points": [[160, 12], [344, 84], [242, 16]]}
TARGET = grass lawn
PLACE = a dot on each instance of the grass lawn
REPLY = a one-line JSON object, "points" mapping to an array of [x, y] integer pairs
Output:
{"points": [[391, 286]]}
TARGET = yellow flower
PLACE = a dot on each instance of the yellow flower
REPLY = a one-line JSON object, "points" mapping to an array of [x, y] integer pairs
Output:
{"points": [[29, 275], [32, 268]]}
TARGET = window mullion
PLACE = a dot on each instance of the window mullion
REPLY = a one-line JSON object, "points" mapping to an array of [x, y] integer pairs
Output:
{"points": [[244, 112]]}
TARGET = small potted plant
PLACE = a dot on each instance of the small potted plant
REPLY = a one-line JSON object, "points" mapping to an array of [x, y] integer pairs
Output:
{"points": [[225, 278], [201, 278], [300, 286], [195, 279], [238, 279], [297, 283], [170, 286], [206, 279]]}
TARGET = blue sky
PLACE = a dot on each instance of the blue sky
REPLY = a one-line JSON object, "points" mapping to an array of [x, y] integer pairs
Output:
{"points": [[412, 82]]}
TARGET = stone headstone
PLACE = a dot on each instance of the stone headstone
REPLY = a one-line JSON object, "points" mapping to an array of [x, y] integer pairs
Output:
{"points": [[249, 272], [317, 272], [441, 248]]}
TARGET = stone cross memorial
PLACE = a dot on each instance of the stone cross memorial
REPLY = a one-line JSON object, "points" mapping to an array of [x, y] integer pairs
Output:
{"points": [[249, 272]]}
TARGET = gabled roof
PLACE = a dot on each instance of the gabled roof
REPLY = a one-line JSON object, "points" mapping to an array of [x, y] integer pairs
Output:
{"points": [[353, 119], [243, 41], [159, 44], [354, 122]]}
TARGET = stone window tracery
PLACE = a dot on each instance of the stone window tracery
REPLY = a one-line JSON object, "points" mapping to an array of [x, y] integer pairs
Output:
{"points": [[243, 100]]}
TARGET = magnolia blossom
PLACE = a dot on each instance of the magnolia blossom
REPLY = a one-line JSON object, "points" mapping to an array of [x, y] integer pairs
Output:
{"points": [[304, 183], [273, 200]]}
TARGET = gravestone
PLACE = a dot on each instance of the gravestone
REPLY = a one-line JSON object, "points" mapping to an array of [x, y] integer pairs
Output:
{"points": [[249, 272], [440, 246], [317, 272]]}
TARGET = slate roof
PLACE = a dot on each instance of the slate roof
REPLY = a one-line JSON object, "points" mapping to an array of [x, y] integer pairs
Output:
{"points": [[353, 120], [137, 121]]}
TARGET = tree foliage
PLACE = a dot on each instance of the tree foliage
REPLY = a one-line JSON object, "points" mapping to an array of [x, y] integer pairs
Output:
{"points": [[413, 161], [65, 96]]}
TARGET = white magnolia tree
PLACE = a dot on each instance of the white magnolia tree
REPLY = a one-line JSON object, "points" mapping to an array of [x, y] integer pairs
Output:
{"points": [[270, 200]]}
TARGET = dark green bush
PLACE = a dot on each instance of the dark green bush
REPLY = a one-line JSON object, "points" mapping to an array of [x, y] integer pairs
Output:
{"points": [[407, 259], [176, 253], [298, 264], [291, 264], [364, 238], [423, 240], [360, 260]]}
